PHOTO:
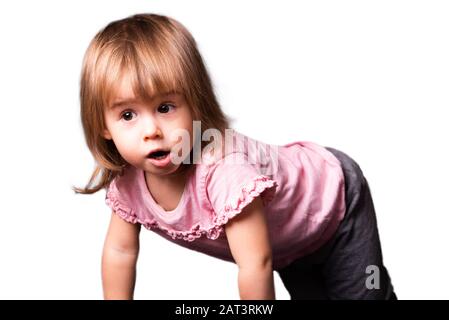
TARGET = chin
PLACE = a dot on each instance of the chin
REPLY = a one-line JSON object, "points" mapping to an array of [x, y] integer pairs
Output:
{"points": [[161, 171]]}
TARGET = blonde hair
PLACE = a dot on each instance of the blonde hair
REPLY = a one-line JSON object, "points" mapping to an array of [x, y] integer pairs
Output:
{"points": [[160, 55]]}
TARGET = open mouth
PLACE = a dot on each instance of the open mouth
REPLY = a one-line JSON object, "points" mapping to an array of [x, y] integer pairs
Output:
{"points": [[159, 154]]}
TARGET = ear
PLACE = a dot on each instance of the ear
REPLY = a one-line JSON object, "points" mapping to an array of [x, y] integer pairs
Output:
{"points": [[107, 135]]}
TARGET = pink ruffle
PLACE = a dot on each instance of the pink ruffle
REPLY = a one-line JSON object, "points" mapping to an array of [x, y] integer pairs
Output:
{"points": [[115, 204], [248, 193], [129, 215]]}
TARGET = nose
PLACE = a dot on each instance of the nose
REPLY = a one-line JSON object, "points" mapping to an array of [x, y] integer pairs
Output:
{"points": [[151, 129]]}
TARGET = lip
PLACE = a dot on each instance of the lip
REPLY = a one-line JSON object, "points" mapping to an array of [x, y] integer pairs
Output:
{"points": [[162, 162]]}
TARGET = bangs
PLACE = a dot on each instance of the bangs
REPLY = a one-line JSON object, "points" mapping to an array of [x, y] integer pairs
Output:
{"points": [[150, 70]]}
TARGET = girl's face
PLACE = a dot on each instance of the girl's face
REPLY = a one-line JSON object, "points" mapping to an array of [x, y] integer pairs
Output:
{"points": [[137, 128]]}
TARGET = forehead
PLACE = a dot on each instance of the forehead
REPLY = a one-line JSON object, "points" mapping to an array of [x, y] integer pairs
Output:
{"points": [[123, 90]]}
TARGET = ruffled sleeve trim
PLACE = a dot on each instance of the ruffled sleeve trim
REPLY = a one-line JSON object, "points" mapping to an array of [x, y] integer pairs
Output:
{"points": [[113, 201], [258, 185]]}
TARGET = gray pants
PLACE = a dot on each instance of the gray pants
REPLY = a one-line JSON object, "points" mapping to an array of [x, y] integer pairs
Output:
{"points": [[350, 265]]}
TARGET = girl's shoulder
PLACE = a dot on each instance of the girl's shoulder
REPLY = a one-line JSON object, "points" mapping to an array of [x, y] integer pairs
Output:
{"points": [[122, 194], [125, 185], [232, 179]]}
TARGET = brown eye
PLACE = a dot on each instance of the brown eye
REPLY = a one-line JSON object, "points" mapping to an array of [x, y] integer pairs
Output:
{"points": [[165, 107], [127, 115]]}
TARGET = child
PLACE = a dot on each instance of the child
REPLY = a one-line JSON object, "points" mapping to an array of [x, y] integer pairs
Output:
{"points": [[149, 112]]}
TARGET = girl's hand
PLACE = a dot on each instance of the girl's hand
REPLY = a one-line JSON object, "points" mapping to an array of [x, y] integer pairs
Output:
{"points": [[120, 252], [249, 241]]}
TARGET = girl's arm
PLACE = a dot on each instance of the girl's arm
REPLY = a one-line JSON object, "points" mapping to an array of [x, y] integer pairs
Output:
{"points": [[248, 239], [120, 252]]}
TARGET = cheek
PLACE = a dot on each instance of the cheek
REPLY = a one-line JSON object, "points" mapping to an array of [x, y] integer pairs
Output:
{"points": [[188, 122], [121, 147], [183, 123], [123, 141]]}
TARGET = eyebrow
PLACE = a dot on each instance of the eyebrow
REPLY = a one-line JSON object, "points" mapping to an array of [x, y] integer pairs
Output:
{"points": [[123, 102]]}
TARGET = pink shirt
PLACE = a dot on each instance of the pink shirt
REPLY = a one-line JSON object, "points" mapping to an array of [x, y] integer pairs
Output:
{"points": [[301, 185]]}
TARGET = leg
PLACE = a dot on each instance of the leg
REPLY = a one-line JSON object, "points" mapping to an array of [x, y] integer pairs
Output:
{"points": [[303, 280], [354, 267]]}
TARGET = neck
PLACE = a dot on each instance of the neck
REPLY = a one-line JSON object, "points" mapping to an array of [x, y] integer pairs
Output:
{"points": [[176, 177]]}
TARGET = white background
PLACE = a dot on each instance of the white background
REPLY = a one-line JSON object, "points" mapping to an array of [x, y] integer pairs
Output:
{"points": [[366, 77]]}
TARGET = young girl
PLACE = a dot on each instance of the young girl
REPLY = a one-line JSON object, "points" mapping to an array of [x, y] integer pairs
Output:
{"points": [[169, 161]]}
